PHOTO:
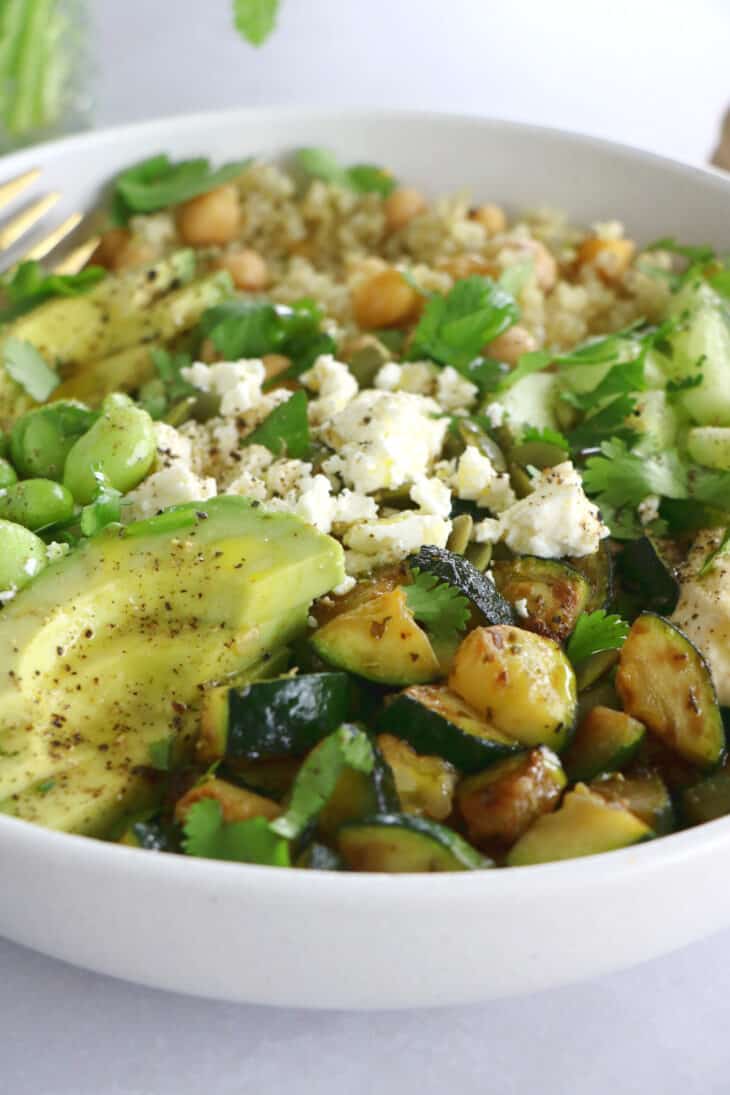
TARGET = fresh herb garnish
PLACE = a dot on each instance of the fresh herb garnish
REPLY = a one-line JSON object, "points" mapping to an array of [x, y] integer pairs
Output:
{"points": [[546, 435], [348, 747], [695, 255], [206, 834], [157, 183], [255, 19], [160, 753], [609, 423], [441, 608], [28, 369], [169, 368], [241, 329], [30, 284], [286, 430], [594, 633], [362, 178], [619, 477], [676, 387]]}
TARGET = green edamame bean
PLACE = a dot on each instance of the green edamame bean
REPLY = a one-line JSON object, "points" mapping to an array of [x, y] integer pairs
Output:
{"points": [[4, 443], [41, 439], [7, 473], [22, 556], [36, 503], [120, 445]]}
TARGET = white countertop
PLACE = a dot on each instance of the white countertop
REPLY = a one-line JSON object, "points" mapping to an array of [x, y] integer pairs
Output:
{"points": [[651, 72]]}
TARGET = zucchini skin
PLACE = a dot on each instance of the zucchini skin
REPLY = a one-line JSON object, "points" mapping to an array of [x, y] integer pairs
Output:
{"points": [[403, 843], [555, 593], [644, 573], [479, 590], [605, 741], [598, 570]]}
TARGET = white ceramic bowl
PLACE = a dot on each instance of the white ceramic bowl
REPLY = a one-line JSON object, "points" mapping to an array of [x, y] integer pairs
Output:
{"points": [[362, 941]]}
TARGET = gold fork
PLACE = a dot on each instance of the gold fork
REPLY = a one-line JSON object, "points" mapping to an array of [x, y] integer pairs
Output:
{"points": [[23, 222]]}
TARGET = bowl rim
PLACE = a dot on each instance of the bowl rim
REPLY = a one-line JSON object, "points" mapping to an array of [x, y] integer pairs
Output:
{"points": [[537, 880]]}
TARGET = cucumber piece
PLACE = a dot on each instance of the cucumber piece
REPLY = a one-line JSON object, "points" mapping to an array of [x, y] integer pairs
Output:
{"points": [[598, 570], [643, 793], [554, 593], [437, 721], [710, 446], [380, 640], [664, 682], [404, 844], [519, 682], [499, 804], [458, 572], [702, 347], [531, 401], [357, 795], [654, 420], [584, 825], [605, 741], [275, 718], [708, 799]]}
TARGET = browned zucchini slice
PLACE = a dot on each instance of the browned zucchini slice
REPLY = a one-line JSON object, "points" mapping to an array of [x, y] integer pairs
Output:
{"points": [[708, 799], [402, 843], [551, 594], [598, 570], [644, 793], [425, 785], [605, 741]]}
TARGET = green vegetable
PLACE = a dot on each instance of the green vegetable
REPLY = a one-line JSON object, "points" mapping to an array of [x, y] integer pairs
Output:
{"points": [[362, 178], [22, 556], [30, 284], [554, 593], [594, 633], [255, 19], [621, 478], [442, 609], [459, 575], [404, 843], [722, 548], [160, 753], [36, 503], [8, 475], [286, 430], [120, 445], [454, 328], [157, 183], [243, 328], [34, 64], [546, 436], [316, 780], [105, 509], [206, 834], [25, 365], [41, 439]]}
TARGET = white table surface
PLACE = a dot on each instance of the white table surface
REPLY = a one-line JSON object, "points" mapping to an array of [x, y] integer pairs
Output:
{"points": [[651, 72]]}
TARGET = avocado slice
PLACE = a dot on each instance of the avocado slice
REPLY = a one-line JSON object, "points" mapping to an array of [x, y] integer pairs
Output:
{"points": [[111, 647]]}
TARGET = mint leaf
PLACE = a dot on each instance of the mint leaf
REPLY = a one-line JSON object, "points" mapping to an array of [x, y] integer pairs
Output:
{"points": [[440, 607], [322, 164], [255, 19], [160, 753], [29, 285], [207, 835], [594, 633], [348, 747], [25, 365], [454, 328], [157, 183], [285, 430]]}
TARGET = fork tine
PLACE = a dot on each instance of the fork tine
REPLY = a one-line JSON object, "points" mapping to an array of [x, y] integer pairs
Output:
{"points": [[13, 187], [40, 250], [75, 260], [24, 221]]}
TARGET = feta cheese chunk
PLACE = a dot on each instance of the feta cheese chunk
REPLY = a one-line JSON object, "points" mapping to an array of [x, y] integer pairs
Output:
{"points": [[703, 609], [557, 519], [416, 377], [432, 496], [453, 391], [390, 539], [334, 383], [172, 447], [477, 480], [238, 383], [170, 487]]}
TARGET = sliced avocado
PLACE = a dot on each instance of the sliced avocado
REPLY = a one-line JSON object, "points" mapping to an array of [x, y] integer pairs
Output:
{"points": [[109, 648]]}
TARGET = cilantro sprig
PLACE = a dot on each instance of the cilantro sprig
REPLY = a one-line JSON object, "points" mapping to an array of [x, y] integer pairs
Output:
{"points": [[157, 183], [208, 835], [30, 284], [285, 429], [596, 632], [440, 607], [243, 328], [363, 178]]}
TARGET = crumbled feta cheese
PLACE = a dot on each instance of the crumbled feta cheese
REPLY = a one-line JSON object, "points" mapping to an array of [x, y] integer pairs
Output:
{"points": [[648, 510], [173, 447], [453, 391], [345, 586], [521, 608], [335, 384], [487, 531], [556, 519], [477, 480], [238, 383], [285, 475], [351, 507], [495, 412], [311, 499], [390, 539], [169, 487], [55, 551], [388, 377], [384, 439], [416, 377], [312, 622], [432, 496]]}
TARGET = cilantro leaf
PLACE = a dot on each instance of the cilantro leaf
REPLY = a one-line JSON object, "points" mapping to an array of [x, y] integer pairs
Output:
{"points": [[546, 435], [285, 430], [160, 753], [255, 19], [605, 350], [607, 424], [454, 328], [169, 366], [594, 633], [440, 607], [157, 183], [348, 747], [206, 834], [702, 254], [722, 549], [243, 328], [25, 365], [322, 164], [675, 387], [30, 285], [619, 477]]}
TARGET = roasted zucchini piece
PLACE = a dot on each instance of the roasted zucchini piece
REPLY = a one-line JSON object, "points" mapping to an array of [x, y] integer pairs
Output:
{"points": [[380, 640], [552, 594], [402, 844], [318, 857], [499, 804], [436, 721], [480, 591], [590, 671], [585, 824], [708, 799], [598, 570], [357, 795], [271, 778], [644, 573], [519, 682], [152, 835], [425, 785], [664, 682], [605, 741], [277, 718], [236, 803], [643, 793]]}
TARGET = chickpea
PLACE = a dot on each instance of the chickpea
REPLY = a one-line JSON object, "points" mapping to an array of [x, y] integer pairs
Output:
{"points": [[119, 250], [275, 364], [401, 206], [511, 344], [210, 219], [385, 300], [611, 258], [492, 218], [247, 268]]}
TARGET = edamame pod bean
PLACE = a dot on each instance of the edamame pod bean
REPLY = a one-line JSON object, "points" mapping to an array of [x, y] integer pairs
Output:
{"points": [[40, 440], [7, 473], [36, 503], [120, 445], [22, 556]]}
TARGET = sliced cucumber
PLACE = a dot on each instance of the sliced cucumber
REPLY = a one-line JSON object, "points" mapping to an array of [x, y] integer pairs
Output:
{"points": [[710, 446], [605, 741], [664, 682], [437, 721], [643, 793], [403, 843], [584, 825], [499, 804], [479, 590], [654, 420], [702, 348], [553, 593]]}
